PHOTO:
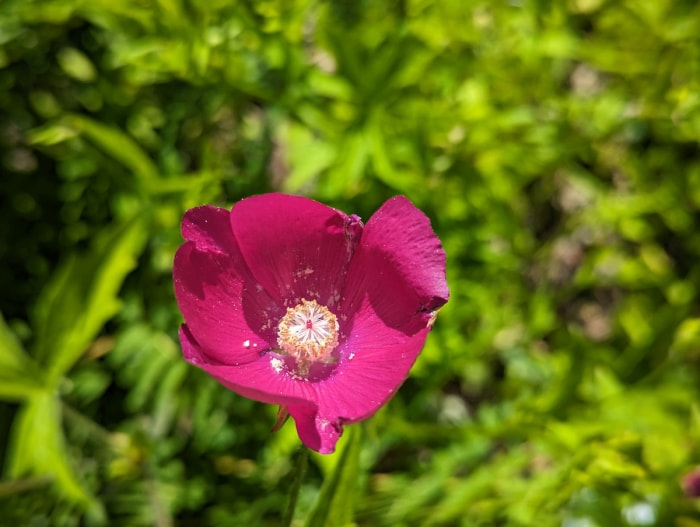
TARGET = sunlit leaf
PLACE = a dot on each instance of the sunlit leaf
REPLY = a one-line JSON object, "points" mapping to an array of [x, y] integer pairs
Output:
{"points": [[82, 296], [19, 376], [335, 504], [76, 65], [110, 139], [118, 145], [39, 449]]}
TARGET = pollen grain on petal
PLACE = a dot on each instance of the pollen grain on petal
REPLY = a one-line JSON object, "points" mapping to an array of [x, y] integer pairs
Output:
{"points": [[277, 364]]}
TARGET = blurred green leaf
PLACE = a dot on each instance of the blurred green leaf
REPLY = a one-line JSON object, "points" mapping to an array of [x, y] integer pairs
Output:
{"points": [[118, 145], [110, 139], [39, 449], [83, 295], [76, 64], [19, 377], [335, 503], [51, 134], [307, 156], [149, 362]]}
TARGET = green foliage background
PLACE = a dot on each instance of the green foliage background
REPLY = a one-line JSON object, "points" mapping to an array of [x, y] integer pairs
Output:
{"points": [[554, 145]]}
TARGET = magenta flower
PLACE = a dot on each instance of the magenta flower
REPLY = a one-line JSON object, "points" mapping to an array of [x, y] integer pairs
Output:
{"points": [[290, 302], [691, 483]]}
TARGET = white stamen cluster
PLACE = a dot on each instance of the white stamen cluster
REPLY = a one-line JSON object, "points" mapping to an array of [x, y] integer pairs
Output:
{"points": [[308, 332]]}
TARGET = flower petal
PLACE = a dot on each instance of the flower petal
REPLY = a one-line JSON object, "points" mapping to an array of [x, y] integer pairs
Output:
{"points": [[367, 378], [397, 272], [256, 379], [295, 247], [394, 286], [260, 380], [209, 228], [230, 318], [316, 432], [403, 236]]}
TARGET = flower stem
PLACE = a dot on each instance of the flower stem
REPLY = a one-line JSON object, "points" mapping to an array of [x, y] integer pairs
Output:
{"points": [[302, 461]]}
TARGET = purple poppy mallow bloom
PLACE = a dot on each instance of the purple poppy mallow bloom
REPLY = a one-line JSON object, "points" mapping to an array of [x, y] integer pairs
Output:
{"points": [[691, 483], [290, 302]]}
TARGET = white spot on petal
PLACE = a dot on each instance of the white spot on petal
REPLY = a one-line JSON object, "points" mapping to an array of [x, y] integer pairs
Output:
{"points": [[277, 364]]}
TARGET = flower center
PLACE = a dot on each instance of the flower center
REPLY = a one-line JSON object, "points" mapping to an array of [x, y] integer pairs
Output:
{"points": [[308, 332]]}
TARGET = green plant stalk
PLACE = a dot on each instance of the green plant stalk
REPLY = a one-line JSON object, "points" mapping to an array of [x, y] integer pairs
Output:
{"points": [[299, 471]]}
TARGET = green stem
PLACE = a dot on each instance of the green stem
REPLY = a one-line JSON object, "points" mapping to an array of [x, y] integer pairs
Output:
{"points": [[302, 461]]}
